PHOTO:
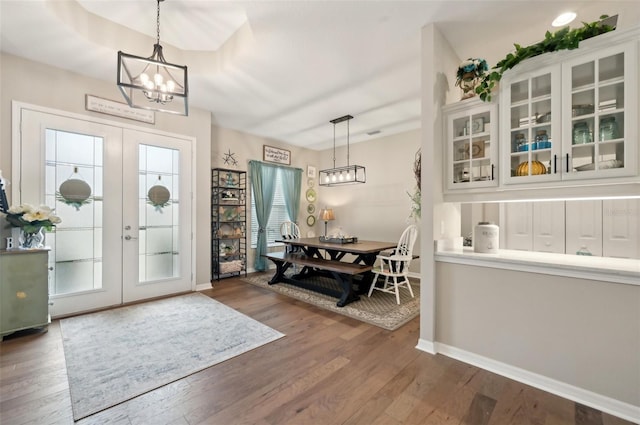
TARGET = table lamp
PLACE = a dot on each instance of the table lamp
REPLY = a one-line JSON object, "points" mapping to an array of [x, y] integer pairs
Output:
{"points": [[326, 214]]}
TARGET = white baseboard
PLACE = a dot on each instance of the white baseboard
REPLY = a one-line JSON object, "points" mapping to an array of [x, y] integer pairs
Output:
{"points": [[426, 346], [203, 286], [606, 404]]}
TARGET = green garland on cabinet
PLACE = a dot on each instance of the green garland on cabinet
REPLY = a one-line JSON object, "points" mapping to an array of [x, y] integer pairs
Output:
{"points": [[563, 39]]}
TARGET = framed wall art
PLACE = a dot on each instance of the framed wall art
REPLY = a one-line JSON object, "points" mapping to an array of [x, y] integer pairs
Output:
{"points": [[277, 155], [311, 171]]}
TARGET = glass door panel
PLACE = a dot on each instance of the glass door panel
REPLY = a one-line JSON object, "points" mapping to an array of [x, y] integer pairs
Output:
{"points": [[157, 246], [63, 166], [597, 110]]}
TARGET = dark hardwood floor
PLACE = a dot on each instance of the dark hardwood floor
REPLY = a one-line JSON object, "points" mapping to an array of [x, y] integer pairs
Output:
{"points": [[329, 369]]}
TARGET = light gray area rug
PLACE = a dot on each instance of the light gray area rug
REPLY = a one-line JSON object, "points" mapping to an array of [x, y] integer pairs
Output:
{"points": [[380, 310], [116, 355]]}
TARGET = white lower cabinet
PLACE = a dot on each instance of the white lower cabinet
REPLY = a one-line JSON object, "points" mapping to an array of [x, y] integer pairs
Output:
{"points": [[621, 228], [606, 228], [517, 219], [584, 227], [548, 223]]}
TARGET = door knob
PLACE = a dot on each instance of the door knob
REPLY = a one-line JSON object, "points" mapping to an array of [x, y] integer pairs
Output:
{"points": [[128, 237]]}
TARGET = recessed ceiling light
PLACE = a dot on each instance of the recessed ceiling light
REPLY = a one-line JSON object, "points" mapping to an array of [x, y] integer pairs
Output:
{"points": [[563, 19]]}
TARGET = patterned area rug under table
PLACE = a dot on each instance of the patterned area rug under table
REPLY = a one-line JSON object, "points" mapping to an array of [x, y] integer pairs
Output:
{"points": [[380, 310], [116, 355]]}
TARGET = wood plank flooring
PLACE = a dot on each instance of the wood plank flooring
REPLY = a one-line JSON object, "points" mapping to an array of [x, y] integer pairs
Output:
{"points": [[329, 369]]}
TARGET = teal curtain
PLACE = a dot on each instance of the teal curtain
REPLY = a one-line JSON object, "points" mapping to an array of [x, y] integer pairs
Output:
{"points": [[263, 178], [291, 180]]}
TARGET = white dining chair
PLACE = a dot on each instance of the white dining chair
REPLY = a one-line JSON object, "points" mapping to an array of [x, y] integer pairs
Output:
{"points": [[395, 266]]}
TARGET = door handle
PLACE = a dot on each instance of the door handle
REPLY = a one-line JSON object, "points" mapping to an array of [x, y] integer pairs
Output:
{"points": [[129, 237]]}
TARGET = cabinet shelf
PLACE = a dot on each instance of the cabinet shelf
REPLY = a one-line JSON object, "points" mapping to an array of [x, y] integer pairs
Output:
{"points": [[228, 223]]}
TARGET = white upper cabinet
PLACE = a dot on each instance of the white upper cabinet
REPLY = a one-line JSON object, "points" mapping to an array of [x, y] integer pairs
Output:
{"points": [[531, 126], [572, 115], [471, 145], [600, 138]]}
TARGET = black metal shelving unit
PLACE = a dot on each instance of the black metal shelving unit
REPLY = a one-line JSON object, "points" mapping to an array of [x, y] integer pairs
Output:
{"points": [[228, 223]]}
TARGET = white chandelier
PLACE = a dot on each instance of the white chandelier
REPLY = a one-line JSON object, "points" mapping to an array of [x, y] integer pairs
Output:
{"points": [[152, 83]]}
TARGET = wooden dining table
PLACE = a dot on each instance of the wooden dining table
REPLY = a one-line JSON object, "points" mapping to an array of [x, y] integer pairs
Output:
{"points": [[313, 257]]}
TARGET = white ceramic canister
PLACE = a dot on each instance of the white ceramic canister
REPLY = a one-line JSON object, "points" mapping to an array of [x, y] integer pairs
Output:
{"points": [[486, 237]]}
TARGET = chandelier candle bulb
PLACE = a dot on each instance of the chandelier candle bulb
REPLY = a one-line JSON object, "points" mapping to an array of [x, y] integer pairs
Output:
{"points": [[486, 238]]}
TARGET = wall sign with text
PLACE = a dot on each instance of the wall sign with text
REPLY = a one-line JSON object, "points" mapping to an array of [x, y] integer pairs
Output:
{"points": [[280, 156]]}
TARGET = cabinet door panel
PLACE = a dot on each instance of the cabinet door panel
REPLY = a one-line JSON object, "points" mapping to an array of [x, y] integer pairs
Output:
{"points": [[584, 226], [518, 226], [548, 227], [620, 228]]}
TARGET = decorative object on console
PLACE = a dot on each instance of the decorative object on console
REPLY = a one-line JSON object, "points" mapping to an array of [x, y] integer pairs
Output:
{"points": [[152, 83], [469, 74], [565, 38], [342, 175], [326, 215], [31, 221]]}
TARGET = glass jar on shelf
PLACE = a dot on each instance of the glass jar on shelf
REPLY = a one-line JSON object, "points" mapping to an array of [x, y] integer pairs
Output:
{"points": [[608, 128], [521, 143], [542, 140], [581, 133]]}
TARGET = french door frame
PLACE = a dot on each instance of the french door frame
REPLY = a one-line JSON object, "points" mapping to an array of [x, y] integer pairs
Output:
{"points": [[16, 190]]}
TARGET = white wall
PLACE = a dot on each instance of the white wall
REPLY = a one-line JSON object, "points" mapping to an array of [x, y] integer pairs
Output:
{"points": [[247, 147], [380, 208], [43, 85], [581, 332]]}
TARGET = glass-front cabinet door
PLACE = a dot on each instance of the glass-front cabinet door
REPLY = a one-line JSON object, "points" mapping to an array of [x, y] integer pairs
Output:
{"points": [[599, 93], [531, 126], [472, 144]]}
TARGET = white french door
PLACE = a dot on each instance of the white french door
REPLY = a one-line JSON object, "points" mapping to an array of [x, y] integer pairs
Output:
{"points": [[131, 238]]}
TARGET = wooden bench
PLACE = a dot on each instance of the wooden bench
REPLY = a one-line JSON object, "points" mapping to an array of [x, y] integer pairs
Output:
{"points": [[341, 271]]}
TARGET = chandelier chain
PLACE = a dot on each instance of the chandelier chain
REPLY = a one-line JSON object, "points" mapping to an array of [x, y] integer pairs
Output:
{"points": [[158, 24]]}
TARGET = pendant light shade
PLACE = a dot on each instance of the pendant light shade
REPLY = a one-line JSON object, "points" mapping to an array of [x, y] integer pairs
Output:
{"points": [[153, 83], [348, 174]]}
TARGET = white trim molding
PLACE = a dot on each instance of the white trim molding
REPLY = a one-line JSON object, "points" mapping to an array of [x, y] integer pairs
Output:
{"points": [[606, 404], [426, 346]]}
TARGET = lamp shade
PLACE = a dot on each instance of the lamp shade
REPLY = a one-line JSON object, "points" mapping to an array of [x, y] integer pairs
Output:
{"points": [[326, 214]]}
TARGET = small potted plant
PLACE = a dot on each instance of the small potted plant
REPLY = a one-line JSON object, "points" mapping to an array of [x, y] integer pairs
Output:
{"points": [[31, 220], [469, 74]]}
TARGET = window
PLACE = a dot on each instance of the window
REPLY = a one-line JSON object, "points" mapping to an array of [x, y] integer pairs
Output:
{"points": [[277, 217]]}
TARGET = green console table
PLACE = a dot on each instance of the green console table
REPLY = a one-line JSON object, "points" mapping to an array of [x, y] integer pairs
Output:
{"points": [[24, 292]]}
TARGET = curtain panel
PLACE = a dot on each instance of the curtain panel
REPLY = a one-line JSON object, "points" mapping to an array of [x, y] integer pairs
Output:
{"points": [[262, 177]]}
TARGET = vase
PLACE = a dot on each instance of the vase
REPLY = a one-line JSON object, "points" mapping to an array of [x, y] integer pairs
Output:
{"points": [[468, 88], [31, 240]]}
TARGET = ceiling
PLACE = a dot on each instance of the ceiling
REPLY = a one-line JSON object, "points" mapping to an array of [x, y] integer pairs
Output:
{"points": [[283, 69]]}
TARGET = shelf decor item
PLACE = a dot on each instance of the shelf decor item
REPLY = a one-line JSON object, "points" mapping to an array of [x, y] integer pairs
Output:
{"points": [[31, 221], [469, 74]]}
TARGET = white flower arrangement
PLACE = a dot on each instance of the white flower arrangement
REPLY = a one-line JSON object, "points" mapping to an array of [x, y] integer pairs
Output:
{"points": [[32, 219]]}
